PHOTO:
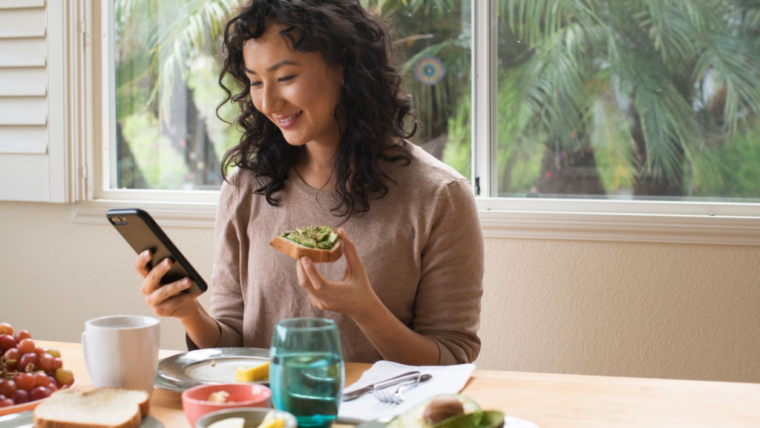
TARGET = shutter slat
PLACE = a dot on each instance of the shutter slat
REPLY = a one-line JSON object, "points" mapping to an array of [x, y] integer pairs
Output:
{"points": [[16, 82], [21, 4], [23, 52], [22, 23], [23, 139], [23, 111]]}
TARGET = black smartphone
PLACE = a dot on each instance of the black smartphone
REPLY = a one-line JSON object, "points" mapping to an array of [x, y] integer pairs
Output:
{"points": [[142, 233]]}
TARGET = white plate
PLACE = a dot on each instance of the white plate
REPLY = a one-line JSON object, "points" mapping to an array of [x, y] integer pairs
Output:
{"points": [[26, 420], [207, 366]]}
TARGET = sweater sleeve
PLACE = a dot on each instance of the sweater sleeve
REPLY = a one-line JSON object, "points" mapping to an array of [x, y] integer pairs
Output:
{"points": [[227, 303], [447, 306]]}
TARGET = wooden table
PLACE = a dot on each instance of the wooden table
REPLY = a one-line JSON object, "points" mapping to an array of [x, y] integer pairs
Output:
{"points": [[548, 400]]}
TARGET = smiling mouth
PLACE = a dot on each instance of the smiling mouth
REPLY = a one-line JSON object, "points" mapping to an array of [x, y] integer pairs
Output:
{"points": [[286, 120]]}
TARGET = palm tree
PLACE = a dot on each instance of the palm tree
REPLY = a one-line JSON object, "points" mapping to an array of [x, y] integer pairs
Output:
{"points": [[646, 84]]}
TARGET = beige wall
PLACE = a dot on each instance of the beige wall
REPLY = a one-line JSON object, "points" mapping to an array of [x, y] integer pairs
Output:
{"points": [[652, 310]]}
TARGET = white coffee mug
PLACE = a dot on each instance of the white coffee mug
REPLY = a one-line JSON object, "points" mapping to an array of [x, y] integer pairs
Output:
{"points": [[122, 351]]}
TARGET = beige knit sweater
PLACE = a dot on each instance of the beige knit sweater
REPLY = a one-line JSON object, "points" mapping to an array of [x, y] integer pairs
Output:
{"points": [[421, 245]]}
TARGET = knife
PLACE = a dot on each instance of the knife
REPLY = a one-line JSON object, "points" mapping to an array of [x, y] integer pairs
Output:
{"points": [[382, 384]]}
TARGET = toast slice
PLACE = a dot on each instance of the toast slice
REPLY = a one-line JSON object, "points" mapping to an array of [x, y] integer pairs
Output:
{"points": [[99, 408], [319, 243]]}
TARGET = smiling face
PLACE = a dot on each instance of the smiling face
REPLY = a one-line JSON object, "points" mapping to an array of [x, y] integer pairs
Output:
{"points": [[297, 91]]}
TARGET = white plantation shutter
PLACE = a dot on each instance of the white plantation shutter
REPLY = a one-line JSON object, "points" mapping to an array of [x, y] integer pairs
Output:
{"points": [[32, 115]]}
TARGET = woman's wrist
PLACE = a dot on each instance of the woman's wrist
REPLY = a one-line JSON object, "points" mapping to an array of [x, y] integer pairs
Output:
{"points": [[369, 311], [201, 327]]}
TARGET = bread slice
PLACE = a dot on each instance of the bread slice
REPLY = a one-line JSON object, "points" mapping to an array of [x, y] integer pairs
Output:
{"points": [[99, 408], [296, 250]]}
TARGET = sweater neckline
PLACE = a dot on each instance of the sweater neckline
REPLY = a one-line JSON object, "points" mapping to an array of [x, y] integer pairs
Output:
{"points": [[320, 195]]}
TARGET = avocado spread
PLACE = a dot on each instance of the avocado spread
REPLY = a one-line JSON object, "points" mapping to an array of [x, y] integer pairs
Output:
{"points": [[321, 237]]}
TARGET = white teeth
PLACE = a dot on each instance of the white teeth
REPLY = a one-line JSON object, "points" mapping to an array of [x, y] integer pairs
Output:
{"points": [[289, 118]]}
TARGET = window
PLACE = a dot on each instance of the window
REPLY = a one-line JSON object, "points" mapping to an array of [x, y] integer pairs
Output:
{"points": [[644, 100], [587, 117], [165, 131]]}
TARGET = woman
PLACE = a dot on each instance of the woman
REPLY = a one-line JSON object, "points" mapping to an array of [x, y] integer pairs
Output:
{"points": [[323, 116]]}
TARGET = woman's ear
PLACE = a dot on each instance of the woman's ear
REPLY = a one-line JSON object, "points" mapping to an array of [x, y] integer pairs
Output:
{"points": [[335, 74]]}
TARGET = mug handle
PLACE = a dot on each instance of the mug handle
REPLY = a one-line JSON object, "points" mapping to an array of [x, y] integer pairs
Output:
{"points": [[84, 351]]}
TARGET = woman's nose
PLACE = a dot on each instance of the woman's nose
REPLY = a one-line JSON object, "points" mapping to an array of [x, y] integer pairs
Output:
{"points": [[271, 101]]}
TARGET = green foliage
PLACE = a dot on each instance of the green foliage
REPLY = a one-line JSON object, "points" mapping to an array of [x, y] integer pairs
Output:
{"points": [[160, 164], [730, 169], [163, 48], [641, 82], [458, 150]]}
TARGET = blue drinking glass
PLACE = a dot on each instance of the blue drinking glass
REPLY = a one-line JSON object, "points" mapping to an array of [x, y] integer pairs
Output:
{"points": [[306, 372]]}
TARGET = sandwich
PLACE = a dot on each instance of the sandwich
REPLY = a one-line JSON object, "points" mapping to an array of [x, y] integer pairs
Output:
{"points": [[319, 243]]}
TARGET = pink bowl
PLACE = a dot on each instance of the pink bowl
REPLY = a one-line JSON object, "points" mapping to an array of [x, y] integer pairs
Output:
{"points": [[195, 404]]}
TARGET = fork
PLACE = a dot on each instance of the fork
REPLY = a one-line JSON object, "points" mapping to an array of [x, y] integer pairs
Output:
{"points": [[385, 395]]}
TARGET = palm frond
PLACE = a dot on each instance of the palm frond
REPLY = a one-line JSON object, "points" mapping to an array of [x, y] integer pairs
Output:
{"points": [[195, 28]]}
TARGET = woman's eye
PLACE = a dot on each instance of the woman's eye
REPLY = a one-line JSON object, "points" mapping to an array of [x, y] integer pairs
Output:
{"points": [[286, 78], [255, 84]]}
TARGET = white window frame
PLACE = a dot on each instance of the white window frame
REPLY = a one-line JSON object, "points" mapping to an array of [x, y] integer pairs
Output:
{"points": [[524, 218]]}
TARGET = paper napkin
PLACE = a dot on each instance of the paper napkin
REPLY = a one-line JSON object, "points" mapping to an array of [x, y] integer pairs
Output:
{"points": [[446, 380]]}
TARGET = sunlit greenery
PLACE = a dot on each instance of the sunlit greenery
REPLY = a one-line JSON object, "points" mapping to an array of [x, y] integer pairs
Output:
{"points": [[633, 98], [644, 92]]}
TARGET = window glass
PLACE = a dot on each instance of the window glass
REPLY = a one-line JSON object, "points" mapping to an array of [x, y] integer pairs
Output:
{"points": [[167, 132], [167, 65], [645, 99]]}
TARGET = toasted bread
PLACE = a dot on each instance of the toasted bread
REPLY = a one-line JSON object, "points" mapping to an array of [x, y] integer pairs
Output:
{"points": [[320, 243], [99, 408], [296, 250]]}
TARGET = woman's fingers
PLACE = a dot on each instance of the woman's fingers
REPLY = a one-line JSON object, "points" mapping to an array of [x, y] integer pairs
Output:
{"points": [[152, 280], [303, 279], [167, 291], [169, 307], [141, 263], [308, 275]]}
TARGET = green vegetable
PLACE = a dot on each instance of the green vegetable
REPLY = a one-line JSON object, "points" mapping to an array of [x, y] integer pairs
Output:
{"points": [[321, 237]]}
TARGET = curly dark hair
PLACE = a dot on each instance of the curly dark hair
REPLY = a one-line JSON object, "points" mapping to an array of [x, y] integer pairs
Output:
{"points": [[373, 106]]}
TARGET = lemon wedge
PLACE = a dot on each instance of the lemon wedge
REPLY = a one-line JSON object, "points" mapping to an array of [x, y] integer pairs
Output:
{"points": [[228, 423], [270, 421], [249, 374]]}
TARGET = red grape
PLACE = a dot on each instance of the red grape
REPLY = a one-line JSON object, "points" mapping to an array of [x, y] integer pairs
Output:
{"points": [[7, 387], [53, 382], [25, 381], [58, 363], [20, 396], [6, 328], [46, 363], [21, 335], [26, 361], [11, 357], [26, 346], [39, 351], [52, 387], [6, 342], [39, 393], [6, 402], [64, 376], [41, 379]]}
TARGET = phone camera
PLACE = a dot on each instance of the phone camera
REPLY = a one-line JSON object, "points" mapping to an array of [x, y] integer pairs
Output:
{"points": [[118, 220]]}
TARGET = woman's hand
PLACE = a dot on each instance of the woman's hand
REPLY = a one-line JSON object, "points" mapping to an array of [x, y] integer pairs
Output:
{"points": [[355, 297], [351, 296], [165, 300]]}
